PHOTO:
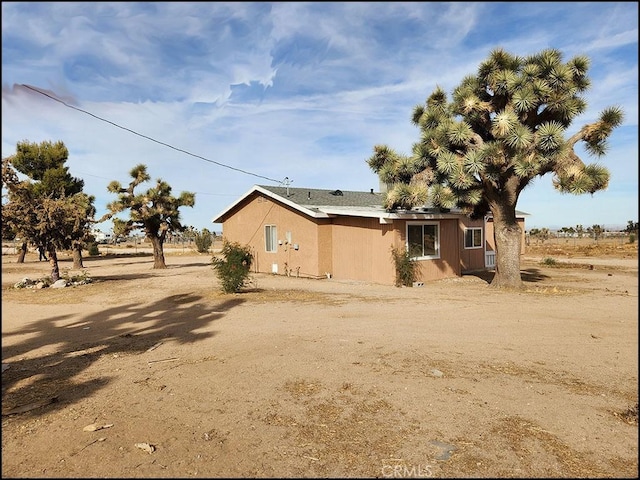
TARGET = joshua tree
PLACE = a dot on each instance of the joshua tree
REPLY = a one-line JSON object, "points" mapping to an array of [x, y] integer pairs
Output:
{"points": [[155, 211], [504, 127], [48, 208]]}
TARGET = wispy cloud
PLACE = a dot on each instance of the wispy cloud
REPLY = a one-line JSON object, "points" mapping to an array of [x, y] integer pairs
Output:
{"points": [[297, 89]]}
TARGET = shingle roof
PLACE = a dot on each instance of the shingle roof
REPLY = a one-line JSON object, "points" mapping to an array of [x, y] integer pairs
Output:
{"points": [[313, 197], [322, 203]]}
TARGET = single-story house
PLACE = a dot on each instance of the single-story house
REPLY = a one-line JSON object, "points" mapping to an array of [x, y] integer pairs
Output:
{"points": [[100, 236], [348, 235]]}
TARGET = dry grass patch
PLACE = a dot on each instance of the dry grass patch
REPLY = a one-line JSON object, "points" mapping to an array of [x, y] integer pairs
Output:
{"points": [[552, 290], [630, 415], [532, 444], [276, 295], [585, 248], [56, 296]]}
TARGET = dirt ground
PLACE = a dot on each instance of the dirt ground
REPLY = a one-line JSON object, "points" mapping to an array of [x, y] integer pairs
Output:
{"points": [[156, 373]]}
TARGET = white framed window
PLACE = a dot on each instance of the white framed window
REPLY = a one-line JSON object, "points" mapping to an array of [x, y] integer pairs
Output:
{"points": [[423, 240], [473, 237], [270, 238]]}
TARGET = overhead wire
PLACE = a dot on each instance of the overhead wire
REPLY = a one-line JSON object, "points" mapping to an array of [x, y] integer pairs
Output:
{"points": [[147, 137], [198, 193]]}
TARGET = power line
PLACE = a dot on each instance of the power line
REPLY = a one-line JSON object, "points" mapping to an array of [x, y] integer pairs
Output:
{"points": [[199, 193], [148, 138]]}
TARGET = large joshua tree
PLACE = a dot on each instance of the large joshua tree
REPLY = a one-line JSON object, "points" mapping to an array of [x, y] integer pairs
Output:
{"points": [[504, 127]]}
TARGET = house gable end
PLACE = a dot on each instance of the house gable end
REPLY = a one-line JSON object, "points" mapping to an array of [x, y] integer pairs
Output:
{"points": [[257, 190]]}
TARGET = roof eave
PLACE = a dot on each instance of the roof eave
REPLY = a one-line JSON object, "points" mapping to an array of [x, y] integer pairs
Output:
{"points": [[257, 188]]}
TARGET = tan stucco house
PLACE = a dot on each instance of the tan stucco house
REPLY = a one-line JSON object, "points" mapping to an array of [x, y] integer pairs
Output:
{"points": [[348, 235]]}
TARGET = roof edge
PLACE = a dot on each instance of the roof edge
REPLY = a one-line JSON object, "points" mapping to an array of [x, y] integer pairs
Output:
{"points": [[273, 196]]}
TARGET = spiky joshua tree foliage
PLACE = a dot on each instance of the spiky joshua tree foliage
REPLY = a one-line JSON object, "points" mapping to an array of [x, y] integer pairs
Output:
{"points": [[502, 128], [155, 211]]}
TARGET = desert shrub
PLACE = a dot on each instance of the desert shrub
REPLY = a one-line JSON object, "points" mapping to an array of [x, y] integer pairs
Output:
{"points": [[233, 266], [549, 261], [632, 238], [406, 268], [203, 240], [93, 249]]}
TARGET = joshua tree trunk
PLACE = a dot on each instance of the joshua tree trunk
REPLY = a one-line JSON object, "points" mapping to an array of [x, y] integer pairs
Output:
{"points": [[508, 237], [53, 261], [22, 252], [158, 253], [77, 255]]}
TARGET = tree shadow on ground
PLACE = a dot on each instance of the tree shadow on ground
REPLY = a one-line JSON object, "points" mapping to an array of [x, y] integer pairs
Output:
{"points": [[111, 256], [135, 260], [528, 275], [54, 377], [194, 264], [170, 271], [121, 277], [533, 275]]}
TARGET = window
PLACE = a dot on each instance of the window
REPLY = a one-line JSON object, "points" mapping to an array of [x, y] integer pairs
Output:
{"points": [[423, 240], [472, 238], [270, 238]]}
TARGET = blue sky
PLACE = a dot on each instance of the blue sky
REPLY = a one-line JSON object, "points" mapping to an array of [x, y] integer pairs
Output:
{"points": [[215, 97]]}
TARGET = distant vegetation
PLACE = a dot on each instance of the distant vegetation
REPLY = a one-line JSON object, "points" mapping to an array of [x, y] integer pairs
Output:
{"points": [[595, 232]]}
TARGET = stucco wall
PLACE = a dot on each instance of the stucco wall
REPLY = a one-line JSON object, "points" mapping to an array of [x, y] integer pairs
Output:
{"points": [[362, 250], [348, 248], [448, 265], [472, 258], [247, 226], [325, 247]]}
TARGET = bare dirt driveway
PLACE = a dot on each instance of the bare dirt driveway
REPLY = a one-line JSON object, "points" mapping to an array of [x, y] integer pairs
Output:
{"points": [[156, 373]]}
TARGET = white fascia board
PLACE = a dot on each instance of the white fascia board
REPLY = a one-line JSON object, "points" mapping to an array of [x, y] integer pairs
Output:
{"points": [[352, 211], [384, 216], [224, 212], [519, 214], [422, 216], [417, 216], [273, 196]]}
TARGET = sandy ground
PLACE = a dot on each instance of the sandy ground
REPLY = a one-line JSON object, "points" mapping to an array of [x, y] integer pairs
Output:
{"points": [[319, 378]]}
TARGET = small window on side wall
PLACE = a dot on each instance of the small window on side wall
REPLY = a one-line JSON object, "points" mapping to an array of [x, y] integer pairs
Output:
{"points": [[270, 238], [473, 238]]}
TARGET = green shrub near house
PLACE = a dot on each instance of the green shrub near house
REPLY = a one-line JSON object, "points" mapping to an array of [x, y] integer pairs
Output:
{"points": [[406, 268], [233, 266]]}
